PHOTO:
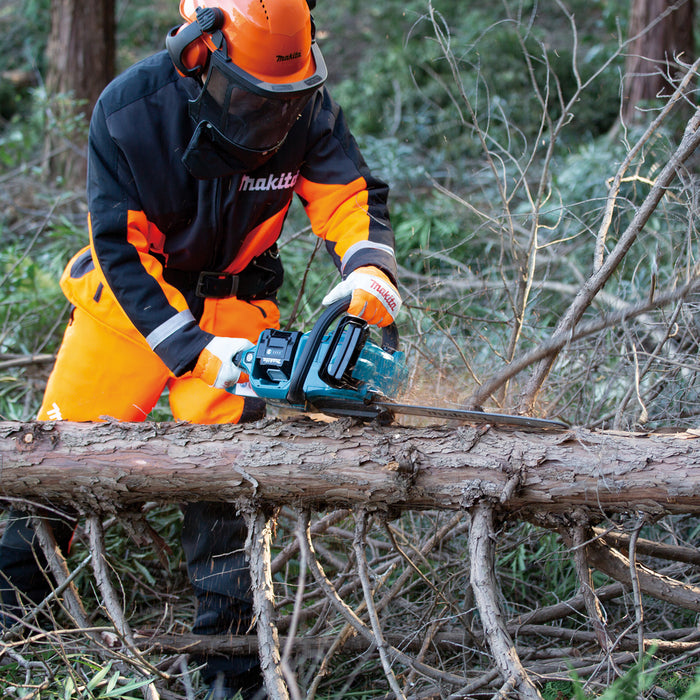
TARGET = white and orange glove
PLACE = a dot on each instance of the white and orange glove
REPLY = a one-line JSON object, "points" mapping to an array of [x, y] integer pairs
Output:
{"points": [[374, 297], [215, 365]]}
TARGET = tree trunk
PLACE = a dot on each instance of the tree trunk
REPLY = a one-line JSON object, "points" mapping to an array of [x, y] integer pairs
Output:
{"points": [[661, 36], [102, 466], [81, 60]]}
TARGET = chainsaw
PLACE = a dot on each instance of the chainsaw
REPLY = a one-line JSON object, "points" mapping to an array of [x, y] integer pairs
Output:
{"points": [[341, 371]]}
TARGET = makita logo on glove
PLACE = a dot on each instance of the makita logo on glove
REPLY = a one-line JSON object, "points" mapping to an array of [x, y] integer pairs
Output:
{"points": [[386, 294], [283, 181]]}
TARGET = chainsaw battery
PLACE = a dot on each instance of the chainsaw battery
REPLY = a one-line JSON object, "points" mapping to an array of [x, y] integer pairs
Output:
{"points": [[274, 358]]}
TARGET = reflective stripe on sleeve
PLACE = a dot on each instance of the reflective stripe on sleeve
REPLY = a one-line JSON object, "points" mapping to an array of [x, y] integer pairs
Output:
{"points": [[363, 245], [170, 327]]}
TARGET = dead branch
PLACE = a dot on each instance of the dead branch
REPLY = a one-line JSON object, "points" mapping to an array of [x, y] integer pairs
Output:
{"points": [[614, 190], [353, 619], [61, 573], [580, 536], [285, 661], [561, 610], [258, 548], [568, 321], [14, 632], [319, 527], [657, 550], [9, 362], [113, 606], [363, 573], [634, 386], [636, 593], [666, 642], [106, 642], [551, 347], [617, 566], [482, 551]]}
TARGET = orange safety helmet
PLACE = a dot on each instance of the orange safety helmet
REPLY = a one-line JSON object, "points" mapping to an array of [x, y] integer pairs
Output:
{"points": [[258, 64]]}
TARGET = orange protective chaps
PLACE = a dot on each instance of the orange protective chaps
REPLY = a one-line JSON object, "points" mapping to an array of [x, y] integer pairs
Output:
{"points": [[105, 369]]}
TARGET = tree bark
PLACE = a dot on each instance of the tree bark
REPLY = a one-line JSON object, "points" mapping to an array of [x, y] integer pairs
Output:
{"points": [[661, 33], [81, 61], [107, 466]]}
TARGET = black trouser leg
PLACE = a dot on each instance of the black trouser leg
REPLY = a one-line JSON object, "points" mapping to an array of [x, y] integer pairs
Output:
{"points": [[213, 539], [23, 577]]}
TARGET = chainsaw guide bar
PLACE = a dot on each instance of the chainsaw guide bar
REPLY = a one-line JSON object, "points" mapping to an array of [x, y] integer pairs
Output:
{"points": [[384, 411], [467, 416]]}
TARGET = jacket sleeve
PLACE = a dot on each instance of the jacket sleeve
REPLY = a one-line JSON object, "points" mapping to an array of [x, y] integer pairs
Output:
{"points": [[346, 204], [122, 239]]}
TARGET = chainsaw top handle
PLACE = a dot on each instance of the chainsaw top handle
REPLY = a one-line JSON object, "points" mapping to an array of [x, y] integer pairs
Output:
{"points": [[295, 395]]}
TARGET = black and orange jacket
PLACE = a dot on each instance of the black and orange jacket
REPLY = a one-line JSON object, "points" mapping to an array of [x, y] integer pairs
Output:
{"points": [[147, 214]]}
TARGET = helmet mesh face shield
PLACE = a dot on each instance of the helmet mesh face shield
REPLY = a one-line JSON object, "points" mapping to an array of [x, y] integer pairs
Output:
{"points": [[251, 115]]}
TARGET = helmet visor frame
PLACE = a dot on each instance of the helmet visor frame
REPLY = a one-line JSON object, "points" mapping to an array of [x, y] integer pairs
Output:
{"points": [[250, 113]]}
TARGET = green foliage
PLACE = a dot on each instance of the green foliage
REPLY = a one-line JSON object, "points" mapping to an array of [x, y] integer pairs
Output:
{"points": [[85, 679], [430, 238], [33, 310], [636, 681], [21, 138], [104, 684], [407, 87], [142, 27], [30, 297], [640, 679], [24, 30], [24, 136], [558, 690]]}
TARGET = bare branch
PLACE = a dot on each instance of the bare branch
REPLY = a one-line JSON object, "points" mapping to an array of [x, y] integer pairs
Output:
{"points": [[59, 569], [568, 321], [363, 573], [258, 547], [483, 580], [581, 534], [113, 605]]}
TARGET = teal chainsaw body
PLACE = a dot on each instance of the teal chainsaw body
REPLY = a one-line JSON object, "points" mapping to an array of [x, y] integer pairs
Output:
{"points": [[338, 370]]}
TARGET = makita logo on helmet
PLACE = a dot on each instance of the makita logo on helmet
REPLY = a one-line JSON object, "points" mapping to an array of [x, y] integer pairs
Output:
{"points": [[283, 181], [288, 56]]}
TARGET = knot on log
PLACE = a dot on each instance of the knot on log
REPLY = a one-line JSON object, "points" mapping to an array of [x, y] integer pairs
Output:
{"points": [[406, 463]]}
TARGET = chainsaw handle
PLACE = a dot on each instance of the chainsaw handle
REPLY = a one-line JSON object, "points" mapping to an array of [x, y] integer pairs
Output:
{"points": [[295, 395], [390, 338]]}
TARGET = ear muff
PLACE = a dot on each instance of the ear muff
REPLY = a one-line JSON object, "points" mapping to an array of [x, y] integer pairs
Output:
{"points": [[187, 50], [187, 46]]}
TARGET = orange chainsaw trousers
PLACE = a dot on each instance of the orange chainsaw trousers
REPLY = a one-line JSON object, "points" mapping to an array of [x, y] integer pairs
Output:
{"points": [[102, 372]]}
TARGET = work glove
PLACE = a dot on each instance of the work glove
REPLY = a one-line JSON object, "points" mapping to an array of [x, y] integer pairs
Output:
{"points": [[374, 297], [215, 365]]}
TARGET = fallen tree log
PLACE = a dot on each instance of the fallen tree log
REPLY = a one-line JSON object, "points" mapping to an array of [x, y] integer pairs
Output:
{"points": [[102, 466]]}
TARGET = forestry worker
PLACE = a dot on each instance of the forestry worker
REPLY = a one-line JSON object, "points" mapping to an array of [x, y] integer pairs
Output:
{"points": [[194, 156]]}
